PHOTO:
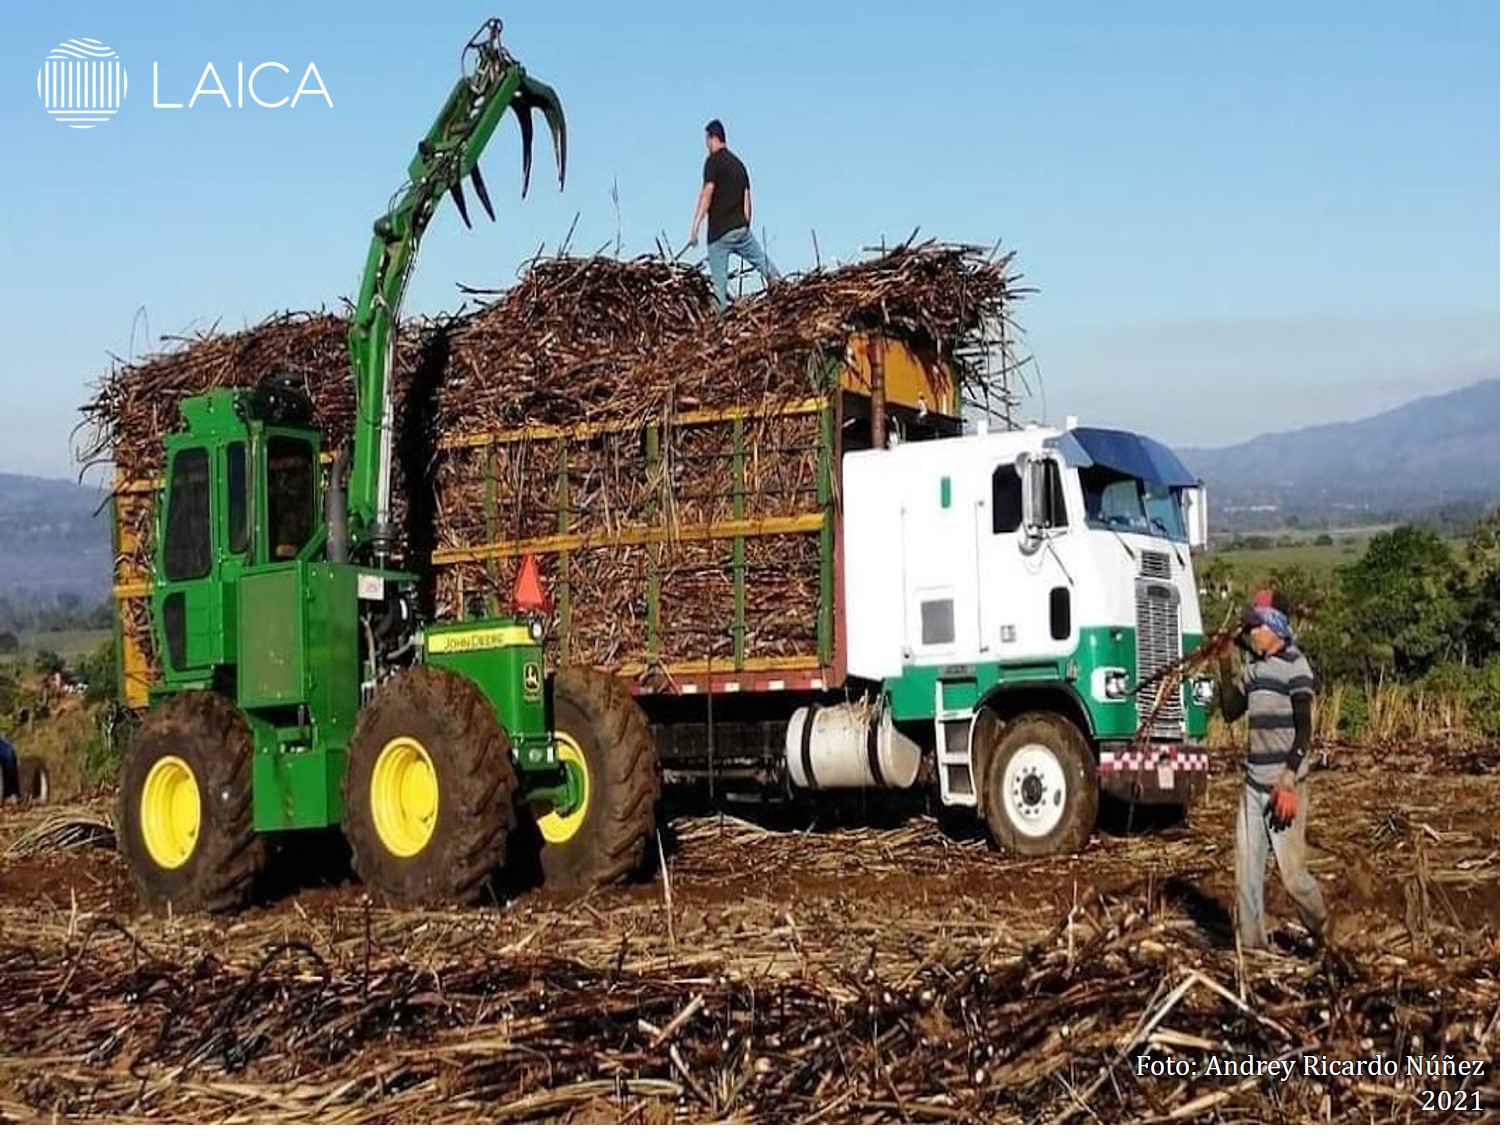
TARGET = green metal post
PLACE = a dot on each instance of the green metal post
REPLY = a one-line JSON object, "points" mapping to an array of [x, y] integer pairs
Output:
{"points": [[824, 500], [562, 526], [740, 606], [489, 507], [651, 448]]}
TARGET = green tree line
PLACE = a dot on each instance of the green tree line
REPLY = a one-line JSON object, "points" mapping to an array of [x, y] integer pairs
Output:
{"points": [[1411, 611]]}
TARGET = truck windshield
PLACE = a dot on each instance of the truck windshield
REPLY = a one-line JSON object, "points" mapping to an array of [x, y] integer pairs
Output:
{"points": [[1116, 501]]}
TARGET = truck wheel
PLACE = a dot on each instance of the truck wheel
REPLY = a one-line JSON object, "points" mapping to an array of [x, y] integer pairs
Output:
{"points": [[36, 786], [602, 734], [185, 822], [1040, 792], [428, 791]]}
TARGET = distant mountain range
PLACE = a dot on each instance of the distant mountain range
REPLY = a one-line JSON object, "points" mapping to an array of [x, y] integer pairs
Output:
{"points": [[1430, 452], [52, 543]]}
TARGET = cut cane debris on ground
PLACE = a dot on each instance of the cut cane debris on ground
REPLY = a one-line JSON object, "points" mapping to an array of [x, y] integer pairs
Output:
{"points": [[797, 974]]}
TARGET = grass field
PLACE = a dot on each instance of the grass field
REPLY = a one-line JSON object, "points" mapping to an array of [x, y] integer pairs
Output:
{"points": [[1317, 559], [1348, 546]]}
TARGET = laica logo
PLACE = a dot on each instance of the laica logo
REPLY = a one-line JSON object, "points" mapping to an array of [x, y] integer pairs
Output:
{"points": [[82, 83]]}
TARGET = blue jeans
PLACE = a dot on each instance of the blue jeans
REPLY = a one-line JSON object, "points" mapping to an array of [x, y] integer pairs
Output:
{"points": [[743, 243]]}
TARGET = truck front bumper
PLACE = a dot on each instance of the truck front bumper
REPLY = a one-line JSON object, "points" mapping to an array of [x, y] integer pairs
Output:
{"points": [[1159, 773]]}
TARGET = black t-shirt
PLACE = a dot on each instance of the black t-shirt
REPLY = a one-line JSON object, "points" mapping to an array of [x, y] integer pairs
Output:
{"points": [[729, 179]]}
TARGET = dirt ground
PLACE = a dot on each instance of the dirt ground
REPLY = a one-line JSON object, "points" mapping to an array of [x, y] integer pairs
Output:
{"points": [[778, 971]]}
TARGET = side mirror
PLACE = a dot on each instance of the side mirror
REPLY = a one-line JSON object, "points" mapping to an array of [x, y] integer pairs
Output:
{"points": [[1196, 516], [1033, 493]]}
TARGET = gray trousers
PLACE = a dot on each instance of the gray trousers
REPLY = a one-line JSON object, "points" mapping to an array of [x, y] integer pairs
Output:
{"points": [[1254, 840]]}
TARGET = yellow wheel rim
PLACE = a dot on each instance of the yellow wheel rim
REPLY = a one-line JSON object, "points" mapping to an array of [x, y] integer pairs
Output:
{"points": [[405, 797], [170, 812], [555, 827]]}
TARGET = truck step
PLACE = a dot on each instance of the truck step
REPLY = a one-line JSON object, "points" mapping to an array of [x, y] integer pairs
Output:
{"points": [[955, 760]]}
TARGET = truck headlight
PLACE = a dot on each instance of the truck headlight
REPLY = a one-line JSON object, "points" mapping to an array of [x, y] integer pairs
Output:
{"points": [[1203, 690], [536, 628], [1116, 684]]}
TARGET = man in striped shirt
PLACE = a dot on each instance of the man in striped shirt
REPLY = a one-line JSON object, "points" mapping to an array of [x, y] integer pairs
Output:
{"points": [[1276, 695]]}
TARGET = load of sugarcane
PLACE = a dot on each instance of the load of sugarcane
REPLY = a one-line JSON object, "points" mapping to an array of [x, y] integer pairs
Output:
{"points": [[579, 340]]}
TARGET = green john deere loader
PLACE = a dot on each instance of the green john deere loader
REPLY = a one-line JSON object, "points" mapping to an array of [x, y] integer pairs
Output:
{"points": [[303, 688]]}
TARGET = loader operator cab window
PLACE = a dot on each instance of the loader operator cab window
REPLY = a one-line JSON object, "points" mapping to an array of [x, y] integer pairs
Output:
{"points": [[186, 545], [292, 496], [236, 515]]}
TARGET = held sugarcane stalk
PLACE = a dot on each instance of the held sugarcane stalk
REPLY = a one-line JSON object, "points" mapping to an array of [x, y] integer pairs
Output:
{"points": [[1170, 677]]}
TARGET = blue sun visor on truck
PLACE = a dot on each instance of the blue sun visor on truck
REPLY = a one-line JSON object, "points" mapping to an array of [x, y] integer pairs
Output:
{"points": [[1123, 451]]}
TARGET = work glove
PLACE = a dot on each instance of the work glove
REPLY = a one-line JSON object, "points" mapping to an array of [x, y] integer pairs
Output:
{"points": [[1283, 805]]}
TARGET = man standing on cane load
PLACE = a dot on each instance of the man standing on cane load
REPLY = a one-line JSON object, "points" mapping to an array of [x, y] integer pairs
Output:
{"points": [[1276, 694], [726, 202]]}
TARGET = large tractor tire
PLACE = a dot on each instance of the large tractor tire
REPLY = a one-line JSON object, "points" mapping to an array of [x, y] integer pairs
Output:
{"points": [[1040, 790], [185, 822], [604, 735], [429, 791]]}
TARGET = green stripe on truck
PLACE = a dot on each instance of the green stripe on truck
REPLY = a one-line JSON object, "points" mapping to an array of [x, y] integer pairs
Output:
{"points": [[913, 694]]}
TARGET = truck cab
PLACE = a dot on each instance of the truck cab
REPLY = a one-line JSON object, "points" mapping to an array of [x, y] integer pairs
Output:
{"points": [[1036, 582]]}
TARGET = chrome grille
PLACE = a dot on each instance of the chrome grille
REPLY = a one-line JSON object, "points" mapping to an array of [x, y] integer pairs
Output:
{"points": [[1158, 642], [1156, 564]]}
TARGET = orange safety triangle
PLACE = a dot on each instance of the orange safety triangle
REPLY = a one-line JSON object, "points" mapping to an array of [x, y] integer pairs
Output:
{"points": [[528, 593]]}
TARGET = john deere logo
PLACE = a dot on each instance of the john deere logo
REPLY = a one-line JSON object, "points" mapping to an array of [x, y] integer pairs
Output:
{"points": [[533, 680], [82, 83]]}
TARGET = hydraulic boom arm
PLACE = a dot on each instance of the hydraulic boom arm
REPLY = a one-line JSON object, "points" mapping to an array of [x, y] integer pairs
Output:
{"points": [[491, 82]]}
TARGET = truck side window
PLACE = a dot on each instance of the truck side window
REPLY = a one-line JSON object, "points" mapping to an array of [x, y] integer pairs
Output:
{"points": [[1007, 505], [291, 496], [239, 533], [186, 545]]}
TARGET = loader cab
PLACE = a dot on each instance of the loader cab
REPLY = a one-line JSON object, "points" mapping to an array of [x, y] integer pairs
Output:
{"points": [[242, 489]]}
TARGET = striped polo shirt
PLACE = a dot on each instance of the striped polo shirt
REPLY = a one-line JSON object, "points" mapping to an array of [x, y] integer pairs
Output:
{"points": [[1270, 684]]}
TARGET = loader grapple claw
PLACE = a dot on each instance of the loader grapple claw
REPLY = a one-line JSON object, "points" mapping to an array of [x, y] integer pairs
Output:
{"points": [[526, 129], [459, 198], [482, 196], [533, 95]]}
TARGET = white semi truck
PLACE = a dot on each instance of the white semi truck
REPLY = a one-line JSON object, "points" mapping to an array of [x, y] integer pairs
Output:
{"points": [[808, 604], [1015, 589]]}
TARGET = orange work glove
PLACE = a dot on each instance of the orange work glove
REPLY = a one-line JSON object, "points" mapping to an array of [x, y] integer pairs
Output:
{"points": [[1284, 800]]}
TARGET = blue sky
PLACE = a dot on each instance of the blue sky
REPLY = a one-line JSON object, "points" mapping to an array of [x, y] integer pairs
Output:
{"points": [[1299, 197]]}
